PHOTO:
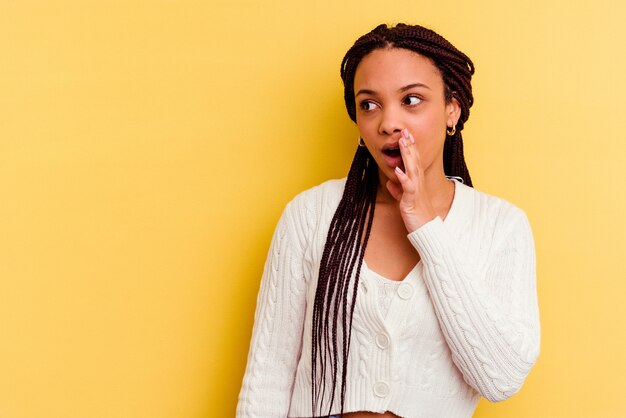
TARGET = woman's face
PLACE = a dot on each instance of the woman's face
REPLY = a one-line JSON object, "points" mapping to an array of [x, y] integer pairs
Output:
{"points": [[396, 89]]}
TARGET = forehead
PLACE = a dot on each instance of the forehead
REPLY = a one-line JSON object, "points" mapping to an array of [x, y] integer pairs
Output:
{"points": [[392, 68]]}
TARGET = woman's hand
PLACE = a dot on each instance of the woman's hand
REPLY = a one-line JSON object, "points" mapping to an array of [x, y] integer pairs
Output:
{"points": [[415, 206]]}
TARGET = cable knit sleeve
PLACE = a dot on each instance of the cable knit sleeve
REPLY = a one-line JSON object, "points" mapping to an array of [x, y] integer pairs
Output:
{"points": [[275, 346], [486, 306]]}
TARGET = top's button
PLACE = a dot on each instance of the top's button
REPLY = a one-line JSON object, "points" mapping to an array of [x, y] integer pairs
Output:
{"points": [[382, 341], [381, 389], [405, 291]]}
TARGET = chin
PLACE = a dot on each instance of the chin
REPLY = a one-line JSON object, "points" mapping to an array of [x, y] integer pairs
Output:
{"points": [[390, 175], [394, 179]]}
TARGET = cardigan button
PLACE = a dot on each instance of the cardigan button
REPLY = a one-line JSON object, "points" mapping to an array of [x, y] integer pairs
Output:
{"points": [[382, 340], [381, 389], [405, 291]]}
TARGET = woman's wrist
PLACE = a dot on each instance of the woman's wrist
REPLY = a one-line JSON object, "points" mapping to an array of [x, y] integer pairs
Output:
{"points": [[415, 222]]}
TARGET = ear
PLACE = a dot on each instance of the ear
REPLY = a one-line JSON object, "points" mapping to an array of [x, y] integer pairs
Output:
{"points": [[453, 112]]}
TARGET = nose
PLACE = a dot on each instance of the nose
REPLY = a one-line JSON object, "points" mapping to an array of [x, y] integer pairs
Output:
{"points": [[390, 122]]}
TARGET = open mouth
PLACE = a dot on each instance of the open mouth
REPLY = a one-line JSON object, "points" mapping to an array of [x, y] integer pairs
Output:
{"points": [[392, 152], [392, 155]]}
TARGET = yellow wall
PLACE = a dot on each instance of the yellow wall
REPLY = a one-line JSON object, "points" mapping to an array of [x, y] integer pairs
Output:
{"points": [[148, 148]]}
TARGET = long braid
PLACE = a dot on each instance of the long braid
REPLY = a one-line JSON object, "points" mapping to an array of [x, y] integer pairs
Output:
{"points": [[349, 231], [347, 237]]}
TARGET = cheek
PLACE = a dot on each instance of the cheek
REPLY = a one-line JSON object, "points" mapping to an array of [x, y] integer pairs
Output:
{"points": [[364, 125], [428, 129], [430, 135]]}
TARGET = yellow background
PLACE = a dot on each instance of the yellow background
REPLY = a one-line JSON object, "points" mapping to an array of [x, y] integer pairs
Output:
{"points": [[147, 149]]}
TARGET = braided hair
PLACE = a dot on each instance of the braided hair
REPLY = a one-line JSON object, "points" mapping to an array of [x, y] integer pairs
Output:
{"points": [[350, 227]]}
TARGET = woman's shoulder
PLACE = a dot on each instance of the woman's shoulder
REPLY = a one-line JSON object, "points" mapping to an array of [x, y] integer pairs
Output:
{"points": [[485, 205], [326, 194], [319, 202]]}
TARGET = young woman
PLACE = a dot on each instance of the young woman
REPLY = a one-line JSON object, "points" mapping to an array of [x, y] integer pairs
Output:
{"points": [[399, 291]]}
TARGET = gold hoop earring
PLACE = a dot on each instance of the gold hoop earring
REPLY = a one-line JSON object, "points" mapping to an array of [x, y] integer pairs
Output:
{"points": [[452, 131], [361, 143]]}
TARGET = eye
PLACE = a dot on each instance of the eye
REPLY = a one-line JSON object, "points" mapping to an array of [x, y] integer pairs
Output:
{"points": [[366, 105], [412, 100]]}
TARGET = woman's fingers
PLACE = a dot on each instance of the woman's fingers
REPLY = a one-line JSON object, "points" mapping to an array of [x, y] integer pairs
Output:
{"points": [[415, 205], [410, 155], [406, 183], [404, 179]]}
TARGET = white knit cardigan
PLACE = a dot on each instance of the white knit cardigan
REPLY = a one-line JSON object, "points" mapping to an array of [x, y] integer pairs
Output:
{"points": [[465, 324]]}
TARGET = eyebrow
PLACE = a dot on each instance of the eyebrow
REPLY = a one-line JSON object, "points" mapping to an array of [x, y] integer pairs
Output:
{"points": [[400, 90]]}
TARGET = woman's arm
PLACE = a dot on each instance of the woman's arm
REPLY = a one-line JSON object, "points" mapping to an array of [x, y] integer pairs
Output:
{"points": [[489, 314], [278, 323]]}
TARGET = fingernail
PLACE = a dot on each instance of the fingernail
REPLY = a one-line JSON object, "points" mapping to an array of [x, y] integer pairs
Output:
{"points": [[398, 170], [405, 133]]}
